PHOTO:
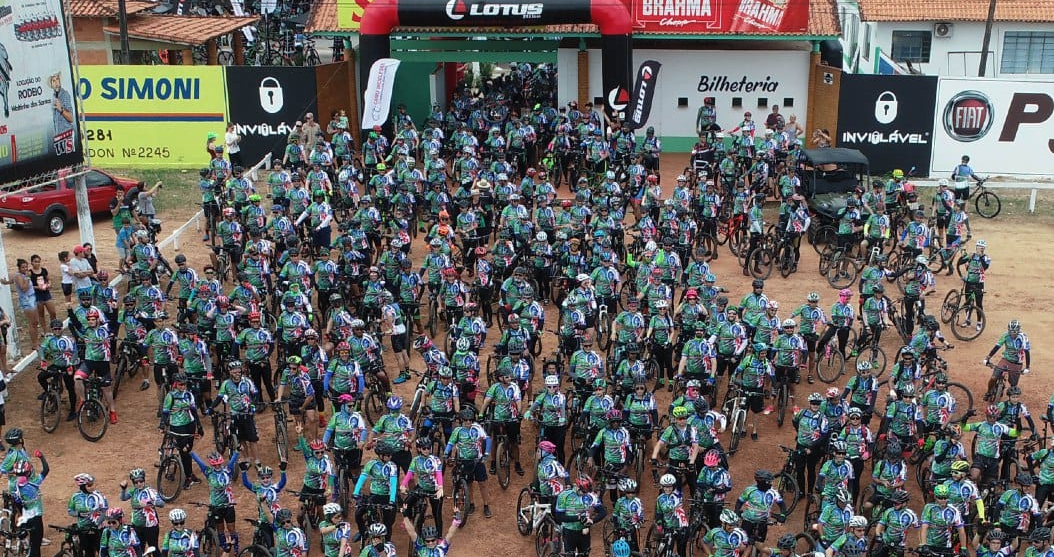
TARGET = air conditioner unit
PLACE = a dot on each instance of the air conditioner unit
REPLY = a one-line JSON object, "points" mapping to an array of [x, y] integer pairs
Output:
{"points": [[943, 30]]}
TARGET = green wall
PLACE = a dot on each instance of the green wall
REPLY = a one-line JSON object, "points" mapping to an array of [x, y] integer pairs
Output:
{"points": [[411, 89]]}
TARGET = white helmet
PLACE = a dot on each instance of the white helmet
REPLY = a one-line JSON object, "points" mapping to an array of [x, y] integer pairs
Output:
{"points": [[503, 176], [668, 480], [942, 182], [330, 509], [552, 381], [542, 237], [463, 344], [177, 515], [857, 521], [650, 246], [789, 323]]}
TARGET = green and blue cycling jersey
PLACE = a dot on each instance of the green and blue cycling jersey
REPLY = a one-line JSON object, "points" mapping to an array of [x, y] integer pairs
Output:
{"points": [[180, 543], [833, 521], [726, 543], [755, 505], [334, 535], [88, 508], [220, 480], [941, 521], [895, 525], [613, 445], [383, 478]]}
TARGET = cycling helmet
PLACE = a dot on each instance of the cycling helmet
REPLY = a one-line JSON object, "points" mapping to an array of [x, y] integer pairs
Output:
{"points": [[234, 365], [855, 413], [283, 516], [1024, 478], [137, 474], [467, 414], [921, 259], [843, 496], [960, 466], [179, 379], [758, 283], [845, 293], [815, 398], [981, 243], [22, 468], [424, 443], [83, 479], [760, 347], [395, 402], [13, 436], [317, 445], [620, 548], [215, 459], [838, 447], [728, 516], [996, 534], [701, 406], [331, 509], [422, 343], [585, 483], [1012, 391], [614, 415], [773, 304], [893, 449], [668, 480], [552, 381], [710, 277], [223, 301], [786, 541], [429, 533], [264, 472], [463, 344], [1041, 534], [177, 515], [346, 399], [941, 491], [115, 513], [254, 316], [711, 458], [691, 293], [680, 412], [852, 550], [864, 365], [293, 360], [832, 392], [547, 447], [1014, 326], [931, 323], [907, 391], [92, 314], [343, 346], [358, 324], [310, 333], [992, 411], [445, 371], [763, 476], [57, 325], [857, 521], [899, 496]]}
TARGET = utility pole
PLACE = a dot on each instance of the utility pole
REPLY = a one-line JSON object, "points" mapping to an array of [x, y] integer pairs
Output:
{"points": [[981, 69], [122, 21]]}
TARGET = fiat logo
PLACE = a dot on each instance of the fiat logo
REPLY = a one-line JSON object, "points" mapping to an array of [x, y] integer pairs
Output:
{"points": [[968, 116]]}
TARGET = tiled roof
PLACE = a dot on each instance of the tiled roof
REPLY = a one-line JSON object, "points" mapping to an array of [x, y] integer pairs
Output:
{"points": [[188, 30], [105, 8], [1032, 11], [823, 22]]}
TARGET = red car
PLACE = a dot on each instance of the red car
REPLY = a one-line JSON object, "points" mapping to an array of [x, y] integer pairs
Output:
{"points": [[53, 206]]}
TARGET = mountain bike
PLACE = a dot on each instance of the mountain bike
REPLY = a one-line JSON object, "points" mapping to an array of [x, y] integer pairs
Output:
{"points": [[968, 320], [986, 202], [783, 397], [170, 472], [223, 435], [128, 363], [281, 429], [500, 440], [735, 407], [16, 537], [262, 541], [786, 481], [71, 541], [209, 535], [463, 470], [51, 404], [309, 514], [374, 398], [92, 419]]}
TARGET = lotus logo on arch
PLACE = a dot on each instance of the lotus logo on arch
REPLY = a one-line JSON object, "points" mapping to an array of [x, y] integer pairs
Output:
{"points": [[457, 9], [968, 116]]}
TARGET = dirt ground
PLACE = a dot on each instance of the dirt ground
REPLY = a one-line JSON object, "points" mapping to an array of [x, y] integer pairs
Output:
{"points": [[1021, 264]]}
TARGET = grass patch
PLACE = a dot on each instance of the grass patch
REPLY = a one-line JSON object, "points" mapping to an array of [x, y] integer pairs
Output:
{"points": [[180, 186], [1014, 203]]}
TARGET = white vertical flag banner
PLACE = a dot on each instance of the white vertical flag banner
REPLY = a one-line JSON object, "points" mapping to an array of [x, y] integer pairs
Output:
{"points": [[379, 92]]}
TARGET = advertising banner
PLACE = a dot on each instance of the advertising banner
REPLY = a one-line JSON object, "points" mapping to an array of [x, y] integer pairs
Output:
{"points": [[643, 93], [1005, 126], [379, 89], [887, 117], [265, 104], [152, 115], [39, 129], [720, 16]]}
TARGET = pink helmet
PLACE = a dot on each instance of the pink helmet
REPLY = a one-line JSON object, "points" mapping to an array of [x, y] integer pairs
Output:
{"points": [[845, 293], [711, 458], [547, 447], [691, 293]]}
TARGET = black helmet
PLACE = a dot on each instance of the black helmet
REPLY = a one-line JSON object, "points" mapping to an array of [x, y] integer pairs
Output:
{"points": [[283, 515], [335, 297], [128, 299], [701, 406], [56, 324], [758, 283], [424, 442], [429, 533], [13, 435], [786, 541], [1041, 534], [181, 259], [204, 172], [763, 476], [1024, 478], [467, 414], [900, 496], [893, 448]]}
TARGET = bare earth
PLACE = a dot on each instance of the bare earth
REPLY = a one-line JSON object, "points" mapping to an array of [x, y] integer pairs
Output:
{"points": [[1020, 265]]}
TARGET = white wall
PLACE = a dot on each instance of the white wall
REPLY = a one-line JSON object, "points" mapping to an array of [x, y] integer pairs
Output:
{"points": [[787, 71]]}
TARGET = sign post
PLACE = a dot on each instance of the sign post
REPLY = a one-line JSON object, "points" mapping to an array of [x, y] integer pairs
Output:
{"points": [[8, 306], [80, 190]]}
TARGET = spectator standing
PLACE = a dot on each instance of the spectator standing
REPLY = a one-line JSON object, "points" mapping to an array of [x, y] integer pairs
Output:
{"points": [[234, 148], [27, 298], [120, 208], [67, 275], [311, 132], [774, 120], [81, 269], [89, 254], [38, 275]]}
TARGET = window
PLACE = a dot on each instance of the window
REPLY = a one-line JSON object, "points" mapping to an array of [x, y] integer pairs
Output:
{"points": [[94, 179], [866, 49], [912, 46], [1028, 52]]}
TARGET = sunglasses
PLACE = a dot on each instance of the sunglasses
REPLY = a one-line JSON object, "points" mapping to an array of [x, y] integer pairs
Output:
{"points": [[177, 523]]}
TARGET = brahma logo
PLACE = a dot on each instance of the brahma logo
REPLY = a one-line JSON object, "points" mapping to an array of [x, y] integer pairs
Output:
{"points": [[456, 10], [968, 116]]}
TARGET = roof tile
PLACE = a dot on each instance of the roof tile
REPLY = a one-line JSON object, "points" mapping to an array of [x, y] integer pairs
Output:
{"points": [[188, 30], [1032, 11], [105, 8]]}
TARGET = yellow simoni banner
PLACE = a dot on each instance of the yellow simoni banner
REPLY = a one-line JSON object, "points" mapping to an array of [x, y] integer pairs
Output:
{"points": [[160, 116], [349, 14]]}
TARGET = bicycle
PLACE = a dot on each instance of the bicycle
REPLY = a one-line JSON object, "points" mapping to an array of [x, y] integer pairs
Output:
{"points": [[262, 541], [530, 511], [128, 362], [307, 517], [373, 513], [224, 271], [92, 417], [374, 399], [786, 481], [223, 435], [16, 538], [783, 397], [603, 328], [735, 407], [170, 472], [960, 309], [662, 544], [281, 433], [51, 404], [71, 541], [463, 471], [839, 266], [986, 202], [209, 535], [995, 394], [500, 440]]}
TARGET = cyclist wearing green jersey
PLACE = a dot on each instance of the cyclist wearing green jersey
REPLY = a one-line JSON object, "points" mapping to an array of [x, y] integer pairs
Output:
{"points": [[180, 541], [940, 522], [892, 526], [335, 532], [726, 540]]}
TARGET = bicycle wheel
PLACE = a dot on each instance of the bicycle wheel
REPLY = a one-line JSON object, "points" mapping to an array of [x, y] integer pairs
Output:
{"points": [[525, 512], [92, 420], [170, 478], [988, 205], [968, 322], [346, 486], [374, 405], [739, 419], [210, 542], [804, 543], [823, 237], [119, 371], [281, 439], [788, 488], [825, 260], [415, 406], [876, 356], [761, 263], [830, 366], [842, 271], [460, 497], [811, 511], [963, 400], [786, 262], [782, 401], [504, 464], [255, 550], [580, 462], [922, 475], [546, 539], [627, 291], [433, 318], [50, 409], [951, 303], [737, 242], [709, 243], [603, 331]]}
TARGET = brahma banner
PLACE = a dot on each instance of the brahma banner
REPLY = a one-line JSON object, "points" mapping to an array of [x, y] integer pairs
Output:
{"points": [[720, 16], [1005, 126], [379, 92]]}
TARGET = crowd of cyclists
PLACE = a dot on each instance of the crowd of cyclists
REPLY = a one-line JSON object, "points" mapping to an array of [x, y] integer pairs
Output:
{"points": [[436, 252]]}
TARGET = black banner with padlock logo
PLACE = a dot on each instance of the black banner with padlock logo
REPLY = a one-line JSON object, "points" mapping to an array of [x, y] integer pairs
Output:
{"points": [[265, 103], [889, 118]]}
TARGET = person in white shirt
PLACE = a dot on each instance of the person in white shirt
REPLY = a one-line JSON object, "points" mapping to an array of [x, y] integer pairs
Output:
{"points": [[234, 148]]}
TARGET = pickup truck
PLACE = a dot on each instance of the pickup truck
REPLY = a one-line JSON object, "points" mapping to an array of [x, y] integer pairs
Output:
{"points": [[51, 207]]}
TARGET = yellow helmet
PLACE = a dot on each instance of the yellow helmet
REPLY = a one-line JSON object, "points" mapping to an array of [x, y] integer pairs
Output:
{"points": [[898, 173], [960, 466]]}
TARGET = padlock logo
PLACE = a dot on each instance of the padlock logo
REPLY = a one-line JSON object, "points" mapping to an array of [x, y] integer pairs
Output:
{"points": [[886, 107], [271, 99]]}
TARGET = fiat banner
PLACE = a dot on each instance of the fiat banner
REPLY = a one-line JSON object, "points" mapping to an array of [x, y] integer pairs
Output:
{"points": [[1005, 126]]}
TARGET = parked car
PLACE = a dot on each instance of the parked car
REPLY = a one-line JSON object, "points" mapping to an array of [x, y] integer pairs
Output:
{"points": [[53, 206], [828, 176]]}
